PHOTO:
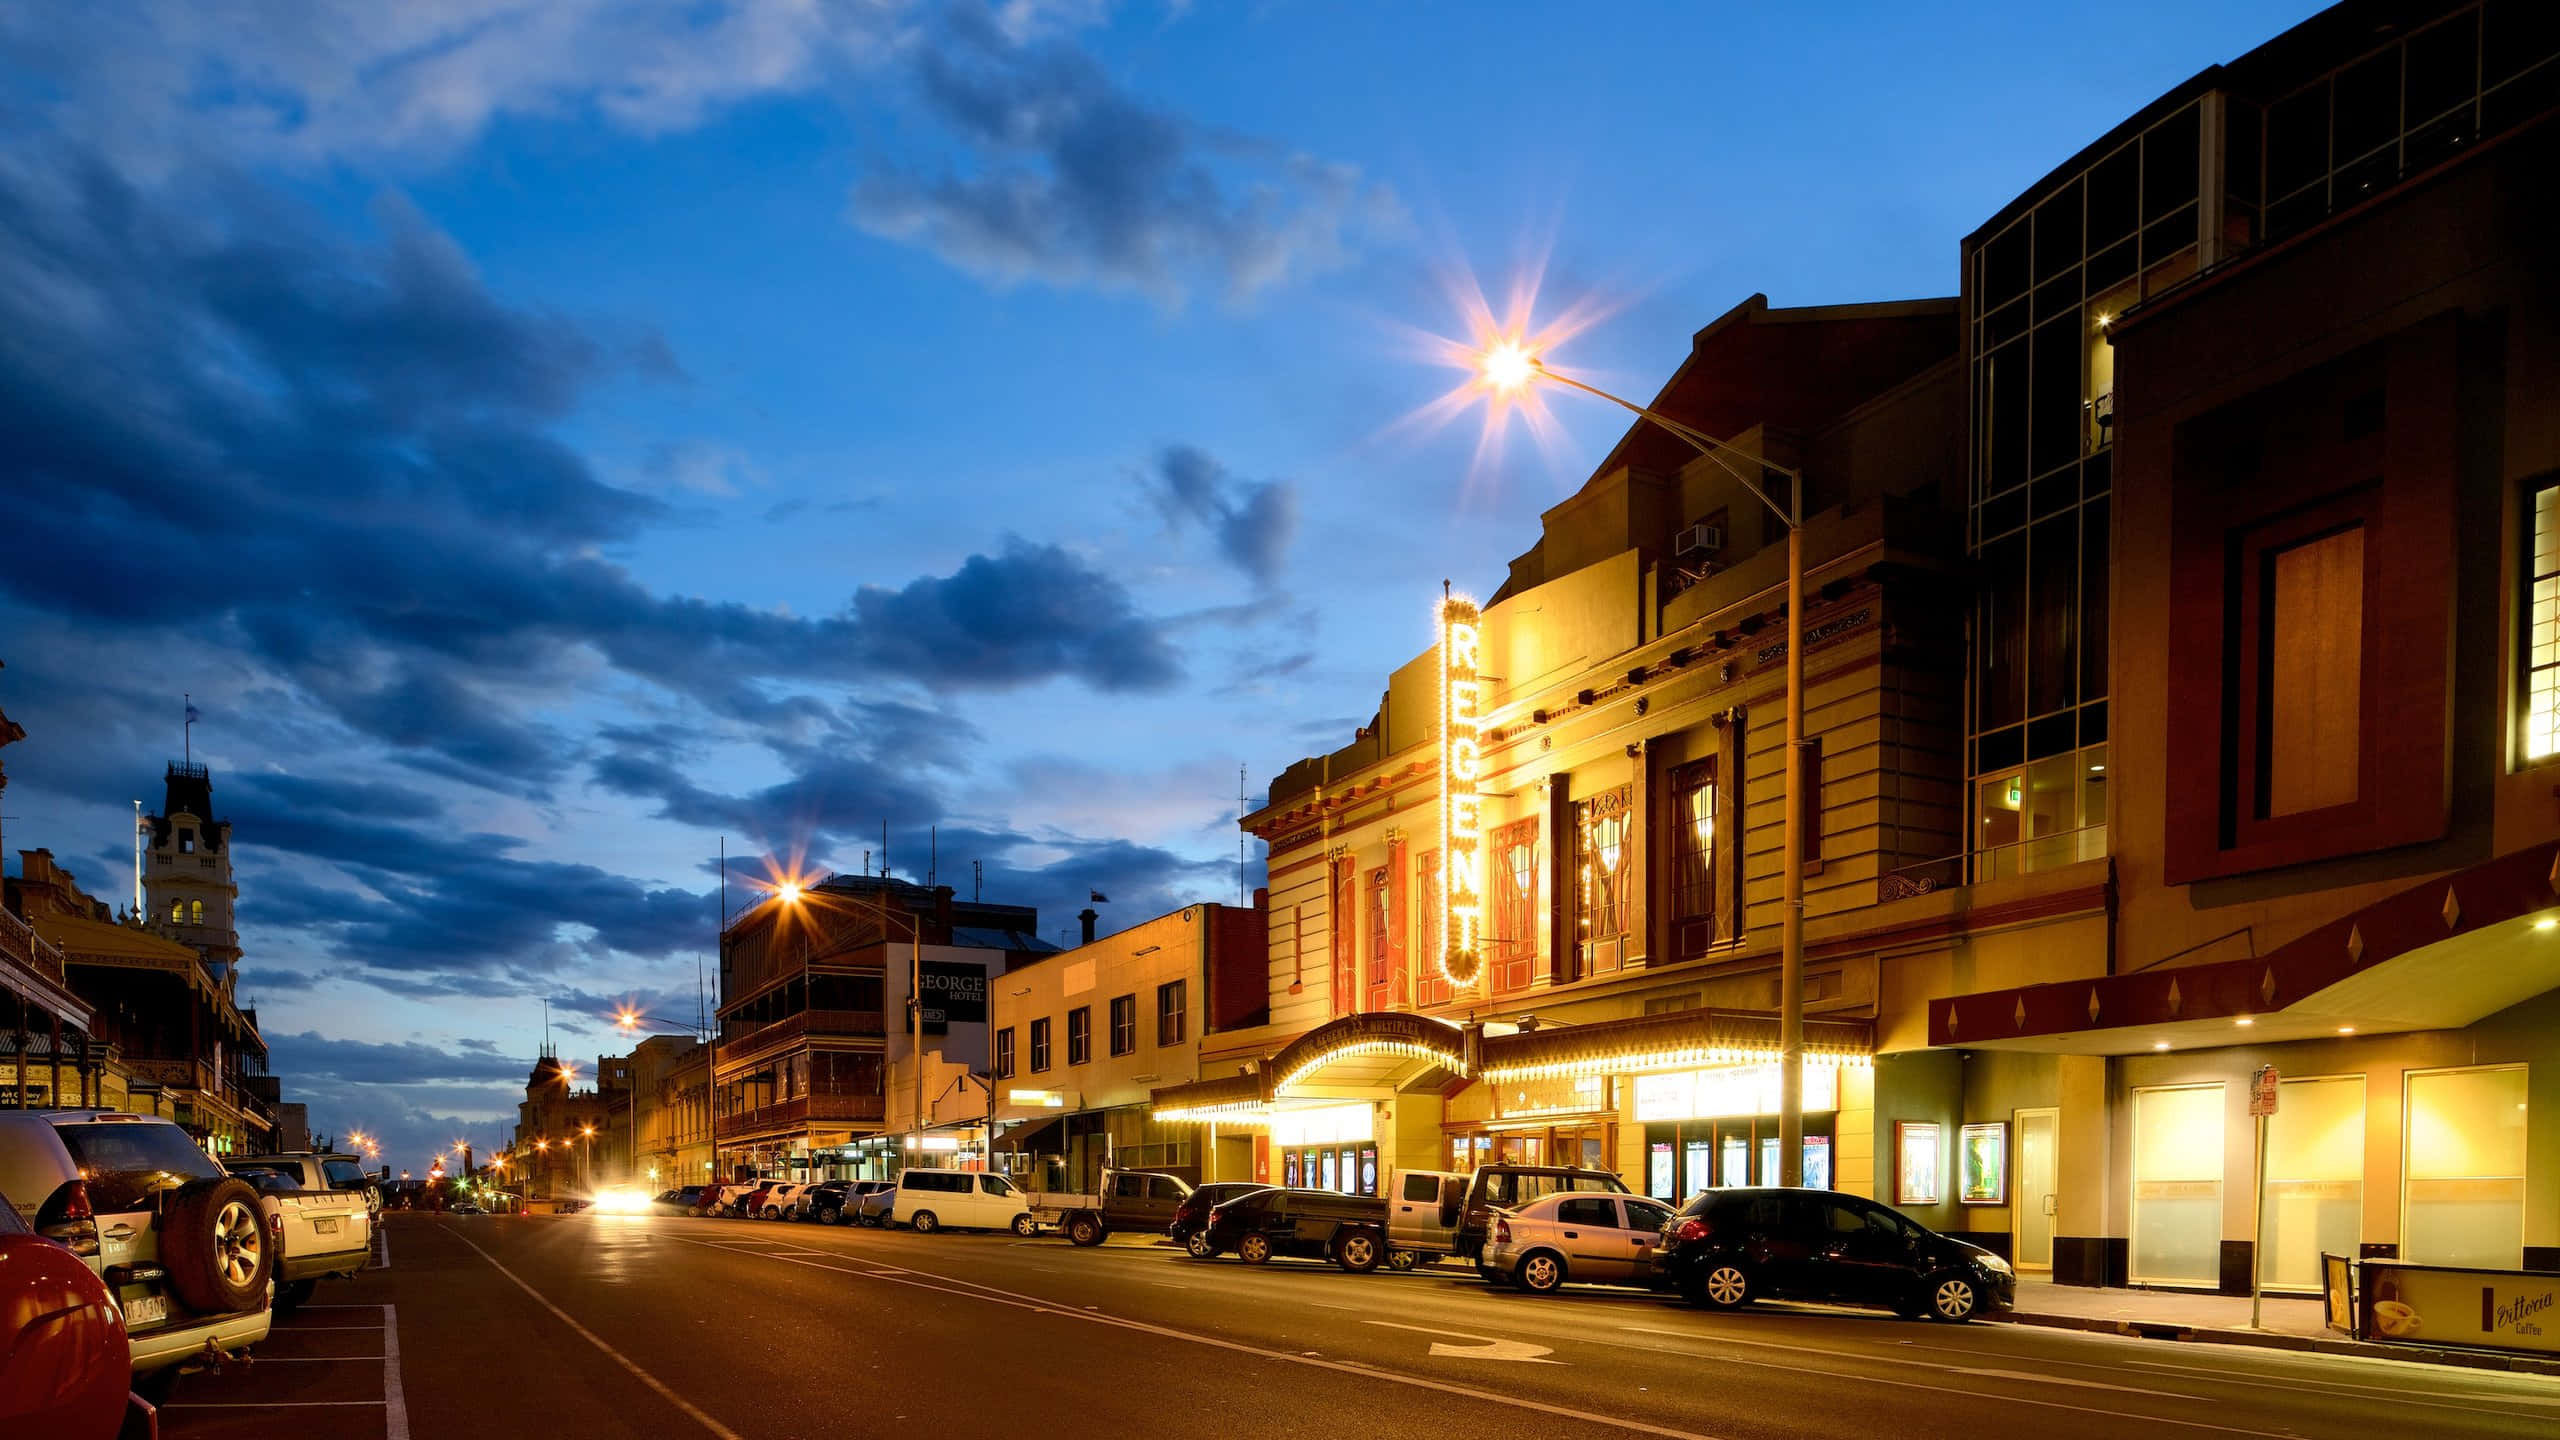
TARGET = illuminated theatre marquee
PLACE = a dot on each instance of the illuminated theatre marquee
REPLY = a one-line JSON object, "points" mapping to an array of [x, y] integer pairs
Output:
{"points": [[1461, 814]]}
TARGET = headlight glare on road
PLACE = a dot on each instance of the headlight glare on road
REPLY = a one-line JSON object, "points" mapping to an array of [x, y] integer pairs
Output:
{"points": [[621, 1202]]}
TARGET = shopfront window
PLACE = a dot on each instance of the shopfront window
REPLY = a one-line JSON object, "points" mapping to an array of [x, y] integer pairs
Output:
{"points": [[2315, 1179], [2463, 1202], [2177, 1185]]}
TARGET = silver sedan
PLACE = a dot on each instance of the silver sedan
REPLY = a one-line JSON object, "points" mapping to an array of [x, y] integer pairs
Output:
{"points": [[1600, 1239]]}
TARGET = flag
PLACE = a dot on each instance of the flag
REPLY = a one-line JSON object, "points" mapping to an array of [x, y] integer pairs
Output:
{"points": [[1099, 898], [193, 715]]}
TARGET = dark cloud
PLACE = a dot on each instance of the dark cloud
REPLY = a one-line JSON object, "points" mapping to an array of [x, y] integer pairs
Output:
{"points": [[1251, 521], [1071, 181], [313, 1060], [1028, 613]]}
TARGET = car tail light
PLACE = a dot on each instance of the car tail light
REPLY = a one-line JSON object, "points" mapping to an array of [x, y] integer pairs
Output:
{"points": [[1690, 1230], [275, 1226], [68, 1218], [1501, 1232]]}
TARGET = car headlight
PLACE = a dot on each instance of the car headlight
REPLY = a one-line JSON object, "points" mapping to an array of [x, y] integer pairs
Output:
{"points": [[1995, 1264]]}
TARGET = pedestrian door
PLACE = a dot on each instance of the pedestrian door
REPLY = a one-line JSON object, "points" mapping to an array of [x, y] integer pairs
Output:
{"points": [[2032, 1217]]}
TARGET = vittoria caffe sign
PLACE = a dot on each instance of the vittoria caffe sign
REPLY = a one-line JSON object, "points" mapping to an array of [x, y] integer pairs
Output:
{"points": [[1461, 804]]}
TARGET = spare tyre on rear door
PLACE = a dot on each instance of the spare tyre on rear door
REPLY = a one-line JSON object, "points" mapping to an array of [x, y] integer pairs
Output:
{"points": [[215, 1246]]}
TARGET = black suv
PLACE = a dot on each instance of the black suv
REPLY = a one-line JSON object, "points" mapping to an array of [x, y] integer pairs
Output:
{"points": [[1727, 1248], [1190, 1227], [1349, 1230]]}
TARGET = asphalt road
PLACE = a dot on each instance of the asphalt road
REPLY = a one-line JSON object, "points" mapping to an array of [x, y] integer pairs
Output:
{"points": [[594, 1326]]}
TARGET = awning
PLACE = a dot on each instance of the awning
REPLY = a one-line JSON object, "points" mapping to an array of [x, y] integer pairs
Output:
{"points": [[2438, 956], [1386, 1050], [1679, 1040]]}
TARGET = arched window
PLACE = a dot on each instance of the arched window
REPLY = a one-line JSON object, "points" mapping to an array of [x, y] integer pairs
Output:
{"points": [[177, 912], [186, 841], [199, 912]]}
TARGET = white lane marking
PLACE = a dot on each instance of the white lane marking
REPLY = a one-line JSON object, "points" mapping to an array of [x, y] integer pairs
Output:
{"points": [[664, 1391], [382, 1249], [1038, 1306], [1486, 1348], [314, 1329], [1975, 1393], [339, 1307], [395, 1401], [311, 1359], [2034, 1379]]}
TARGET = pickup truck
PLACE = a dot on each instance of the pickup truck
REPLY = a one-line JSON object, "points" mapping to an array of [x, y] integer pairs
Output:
{"points": [[1127, 1200], [1448, 1212], [317, 1208]]}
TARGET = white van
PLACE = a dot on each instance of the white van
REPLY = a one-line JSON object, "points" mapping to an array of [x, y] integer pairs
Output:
{"points": [[930, 1200]]}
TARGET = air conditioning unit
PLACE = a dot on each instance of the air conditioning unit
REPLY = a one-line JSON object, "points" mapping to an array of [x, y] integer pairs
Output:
{"points": [[1699, 540]]}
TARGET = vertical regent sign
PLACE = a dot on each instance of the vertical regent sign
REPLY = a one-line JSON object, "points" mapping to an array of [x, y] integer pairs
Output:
{"points": [[1461, 813]]}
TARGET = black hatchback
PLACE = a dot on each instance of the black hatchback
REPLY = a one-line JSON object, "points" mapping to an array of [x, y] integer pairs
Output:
{"points": [[1190, 1227], [1727, 1248]]}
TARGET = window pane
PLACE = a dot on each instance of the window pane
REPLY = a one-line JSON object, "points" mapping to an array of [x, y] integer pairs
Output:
{"points": [[2177, 1185], [2053, 658], [2466, 1137], [2315, 1178], [2314, 675], [2542, 630]]}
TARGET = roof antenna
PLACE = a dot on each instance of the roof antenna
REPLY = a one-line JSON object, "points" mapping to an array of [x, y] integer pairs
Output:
{"points": [[932, 855]]}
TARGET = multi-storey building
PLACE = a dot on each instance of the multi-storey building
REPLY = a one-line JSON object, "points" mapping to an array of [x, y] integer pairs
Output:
{"points": [[1625, 762], [182, 1045], [564, 1137], [186, 880], [2294, 325], [814, 1025], [671, 1091], [1083, 1037]]}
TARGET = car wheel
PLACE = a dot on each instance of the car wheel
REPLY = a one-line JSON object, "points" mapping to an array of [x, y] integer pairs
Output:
{"points": [[213, 1242], [1084, 1230], [925, 1222], [1725, 1286], [1197, 1246], [1539, 1272], [1022, 1226], [1357, 1252], [1952, 1300], [1402, 1260], [294, 1295], [831, 1217], [1254, 1249]]}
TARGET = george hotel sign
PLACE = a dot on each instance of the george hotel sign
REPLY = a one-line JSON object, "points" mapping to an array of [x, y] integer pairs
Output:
{"points": [[1461, 803]]}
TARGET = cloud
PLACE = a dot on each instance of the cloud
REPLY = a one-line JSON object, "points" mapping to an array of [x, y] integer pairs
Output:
{"points": [[701, 467], [1252, 522], [1070, 181], [312, 1058]]}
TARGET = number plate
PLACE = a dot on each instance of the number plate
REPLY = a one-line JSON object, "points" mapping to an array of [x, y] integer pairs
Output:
{"points": [[145, 1310], [325, 1227]]}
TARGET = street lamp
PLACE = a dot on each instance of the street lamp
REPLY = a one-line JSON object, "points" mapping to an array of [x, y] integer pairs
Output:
{"points": [[1510, 366], [586, 1156]]}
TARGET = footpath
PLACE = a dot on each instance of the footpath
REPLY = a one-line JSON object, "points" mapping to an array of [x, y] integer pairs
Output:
{"points": [[2287, 1324]]}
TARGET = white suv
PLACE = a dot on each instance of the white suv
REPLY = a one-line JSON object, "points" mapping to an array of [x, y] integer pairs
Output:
{"points": [[186, 1247], [930, 1200], [785, 1202]]}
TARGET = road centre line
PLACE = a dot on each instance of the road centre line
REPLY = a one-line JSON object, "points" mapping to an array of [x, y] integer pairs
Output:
{"points": [[664, 1391], [260, 1404], [1038, 1306]]}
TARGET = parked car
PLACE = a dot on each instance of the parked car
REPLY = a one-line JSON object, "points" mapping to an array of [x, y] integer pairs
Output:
{"points": [[868, 1203], [1190, 1224], [781, 1201], [929, 1200], [825, 1202], [685, 1200], [316, 1170], [183, 1245], [66, 1368], [1349, 1230], [1446, 1212], [748, 1203], [1727, 1248], [319, 1234], [1574, 1236], [1125, 1200]]}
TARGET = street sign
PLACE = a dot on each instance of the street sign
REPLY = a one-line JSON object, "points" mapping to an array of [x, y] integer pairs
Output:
{"points": [[2262, 1091]]}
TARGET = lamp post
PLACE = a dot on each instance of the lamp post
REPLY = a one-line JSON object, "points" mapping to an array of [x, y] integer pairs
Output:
{"points": [[1511, 367], [587, 1157]]}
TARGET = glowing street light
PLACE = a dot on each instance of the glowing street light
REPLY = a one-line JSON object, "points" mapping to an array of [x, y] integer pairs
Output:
{"points": [[1509, 365]]}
